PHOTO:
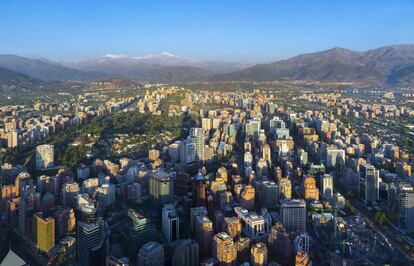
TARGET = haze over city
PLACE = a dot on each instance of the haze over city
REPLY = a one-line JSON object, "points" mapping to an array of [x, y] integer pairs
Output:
{"points": [[212, 133]]}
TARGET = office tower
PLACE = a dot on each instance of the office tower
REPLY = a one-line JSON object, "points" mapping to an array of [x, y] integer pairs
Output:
{"points": [[302, 259], [90, 185], [204, 235], [254, 226], [161, 189], [269, 195], [259, 254], [302, 243], [371, 184], [29, 203], [224, 249], [303, 157], [406, 207], [253, 128], [45, 232], [188, 150], [92, 237], [69, 193], [327, 186], [279, 243], [293, 212], [276, 123], [243, 249], [186, 253], [332, 155], [194, 213], [151, 254], [232, 226], [311, 192], [199, 190], [142, 230], [285, 188], [198, 134], [112, 261], [174, 151], [64, 222], [206, 123], [153, 155], [44, 156], [12, 139], [106, 195], [170, 223], [267, 154], [247, 197]]}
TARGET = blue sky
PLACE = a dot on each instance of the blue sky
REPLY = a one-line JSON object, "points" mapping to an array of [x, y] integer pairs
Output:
{"points": [[246, 31]]}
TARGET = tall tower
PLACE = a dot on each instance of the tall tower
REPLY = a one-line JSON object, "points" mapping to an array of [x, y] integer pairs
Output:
{"points": [[224, 249], [198, 134], [170, 223], [259, 254], [45, 232], [161, 189], [152, 253]]}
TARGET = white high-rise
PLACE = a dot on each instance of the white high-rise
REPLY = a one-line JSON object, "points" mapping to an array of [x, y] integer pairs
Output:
{"points": [[44, 156], [198, 134]]}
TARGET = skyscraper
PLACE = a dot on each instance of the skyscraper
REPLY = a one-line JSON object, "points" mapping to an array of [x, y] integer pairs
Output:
{"points": [[161, 189], [285, 188], [151, 254], [170, 223], [204, 235], [44, 156], [270, 195], [254, 226], [406, 208], [327, 186], [279, 243], [310, 190], [186, 253], [293, 212], [259, 254], [232, 226], [92, 237], [142, 230], [224, 249], [198, 134], [371, 184], [45, 232]]}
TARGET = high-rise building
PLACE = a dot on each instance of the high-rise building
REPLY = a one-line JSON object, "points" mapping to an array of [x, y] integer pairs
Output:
{"points": [[198, 134], [170, 223], [270, 195], [64, 222], [44, 156], [310, 190], [293, 212], [112, 261], [371, 184], [224, 249], [243, 249], [332, 155], [259, 254], [302, 259], [92, 237], [151, 254], [406, 208], [45, 232], [69, 194], [188, 150], [161, 189], [194, 212], [12, 139], [186, 253], [327, 186], [204, 235], [302, 243], [285, 188], [142, 230], [232, 226], [254, 226], [253, 128], [247, 197], [199, 190], [279, 244]]}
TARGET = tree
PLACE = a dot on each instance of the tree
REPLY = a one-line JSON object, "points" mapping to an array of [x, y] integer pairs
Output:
{"points": [[73, 155], [380, 218]]}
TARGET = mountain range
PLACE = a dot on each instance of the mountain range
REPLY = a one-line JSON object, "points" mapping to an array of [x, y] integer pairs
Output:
{"points": [[386, 66]]}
